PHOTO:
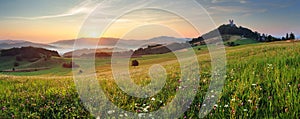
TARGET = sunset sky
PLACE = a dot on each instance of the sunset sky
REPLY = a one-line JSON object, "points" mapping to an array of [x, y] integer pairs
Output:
{"points": [[46, 21]]}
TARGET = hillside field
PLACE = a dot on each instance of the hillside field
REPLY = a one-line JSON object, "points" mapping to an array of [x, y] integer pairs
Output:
{"points": [[262, 81]]}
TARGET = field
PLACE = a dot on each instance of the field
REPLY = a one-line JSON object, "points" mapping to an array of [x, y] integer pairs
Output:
{"points": [[262, 81]]}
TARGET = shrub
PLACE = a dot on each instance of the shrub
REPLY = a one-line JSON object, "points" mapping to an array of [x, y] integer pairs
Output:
{"points": [[16, 64], [135, 63], [231, 44], [70, 65]]}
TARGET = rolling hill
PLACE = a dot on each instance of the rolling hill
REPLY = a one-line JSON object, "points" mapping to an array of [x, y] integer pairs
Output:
{"points": [[7, 44], [114, 42], [232, 33]]}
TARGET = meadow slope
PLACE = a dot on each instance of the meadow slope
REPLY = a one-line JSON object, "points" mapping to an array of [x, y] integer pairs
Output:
{"points": [[262, 81]]}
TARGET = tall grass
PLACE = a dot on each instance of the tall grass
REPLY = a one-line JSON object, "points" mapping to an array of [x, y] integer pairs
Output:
{"points": [[262, 81]]}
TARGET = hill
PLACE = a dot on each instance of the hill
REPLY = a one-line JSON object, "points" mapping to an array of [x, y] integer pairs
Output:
{"points": [[7, 44], [28, 53], [261, 82], [240, 33], [115, 42], [85, 51]]}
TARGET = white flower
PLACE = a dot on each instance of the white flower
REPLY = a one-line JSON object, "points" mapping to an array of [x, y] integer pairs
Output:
{"points": [[153, 99], [226, 106], [212, 96], [111, 111], [216, 105], [145, 110], [250, 101], [245, 110]]}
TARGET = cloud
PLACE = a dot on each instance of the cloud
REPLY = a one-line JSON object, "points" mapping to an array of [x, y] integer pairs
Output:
{"points": [[223, 1], [84, 7], [233, 10]]}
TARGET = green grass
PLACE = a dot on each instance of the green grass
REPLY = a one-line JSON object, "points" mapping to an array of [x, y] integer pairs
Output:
{"points": [[8, 63], [245, 41], [262, 81], [239, 40]]}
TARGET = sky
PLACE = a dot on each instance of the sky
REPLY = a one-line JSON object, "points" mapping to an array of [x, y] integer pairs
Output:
{"points": [[46, 21]]}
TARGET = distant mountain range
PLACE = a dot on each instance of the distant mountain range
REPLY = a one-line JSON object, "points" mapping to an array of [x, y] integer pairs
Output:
{"points": [[64, 46], [114, 42], [7, 44]]}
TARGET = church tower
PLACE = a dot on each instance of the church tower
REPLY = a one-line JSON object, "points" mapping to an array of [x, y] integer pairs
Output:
{"points": [[231, 22]]}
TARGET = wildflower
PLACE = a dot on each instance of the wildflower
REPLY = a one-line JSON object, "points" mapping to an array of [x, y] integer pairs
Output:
{"points": [[3, 108], [216, 105], [233, 111], [241, 104], [254, 84], [250, 101], [226, 106], [153, 99], [233, 99], [245, 110], [145, 110], [111, 111]]}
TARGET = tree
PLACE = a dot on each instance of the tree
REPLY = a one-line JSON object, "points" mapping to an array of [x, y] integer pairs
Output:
{"points": [[292, 36], [287, 37], [135, 63], [263, 38], [269, 38]]}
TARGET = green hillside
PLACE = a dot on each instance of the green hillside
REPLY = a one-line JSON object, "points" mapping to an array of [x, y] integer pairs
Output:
{"points": [[262, 81]]}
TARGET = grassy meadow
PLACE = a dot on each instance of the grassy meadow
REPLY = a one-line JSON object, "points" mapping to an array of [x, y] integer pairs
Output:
{"points": [[262, 81]]}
